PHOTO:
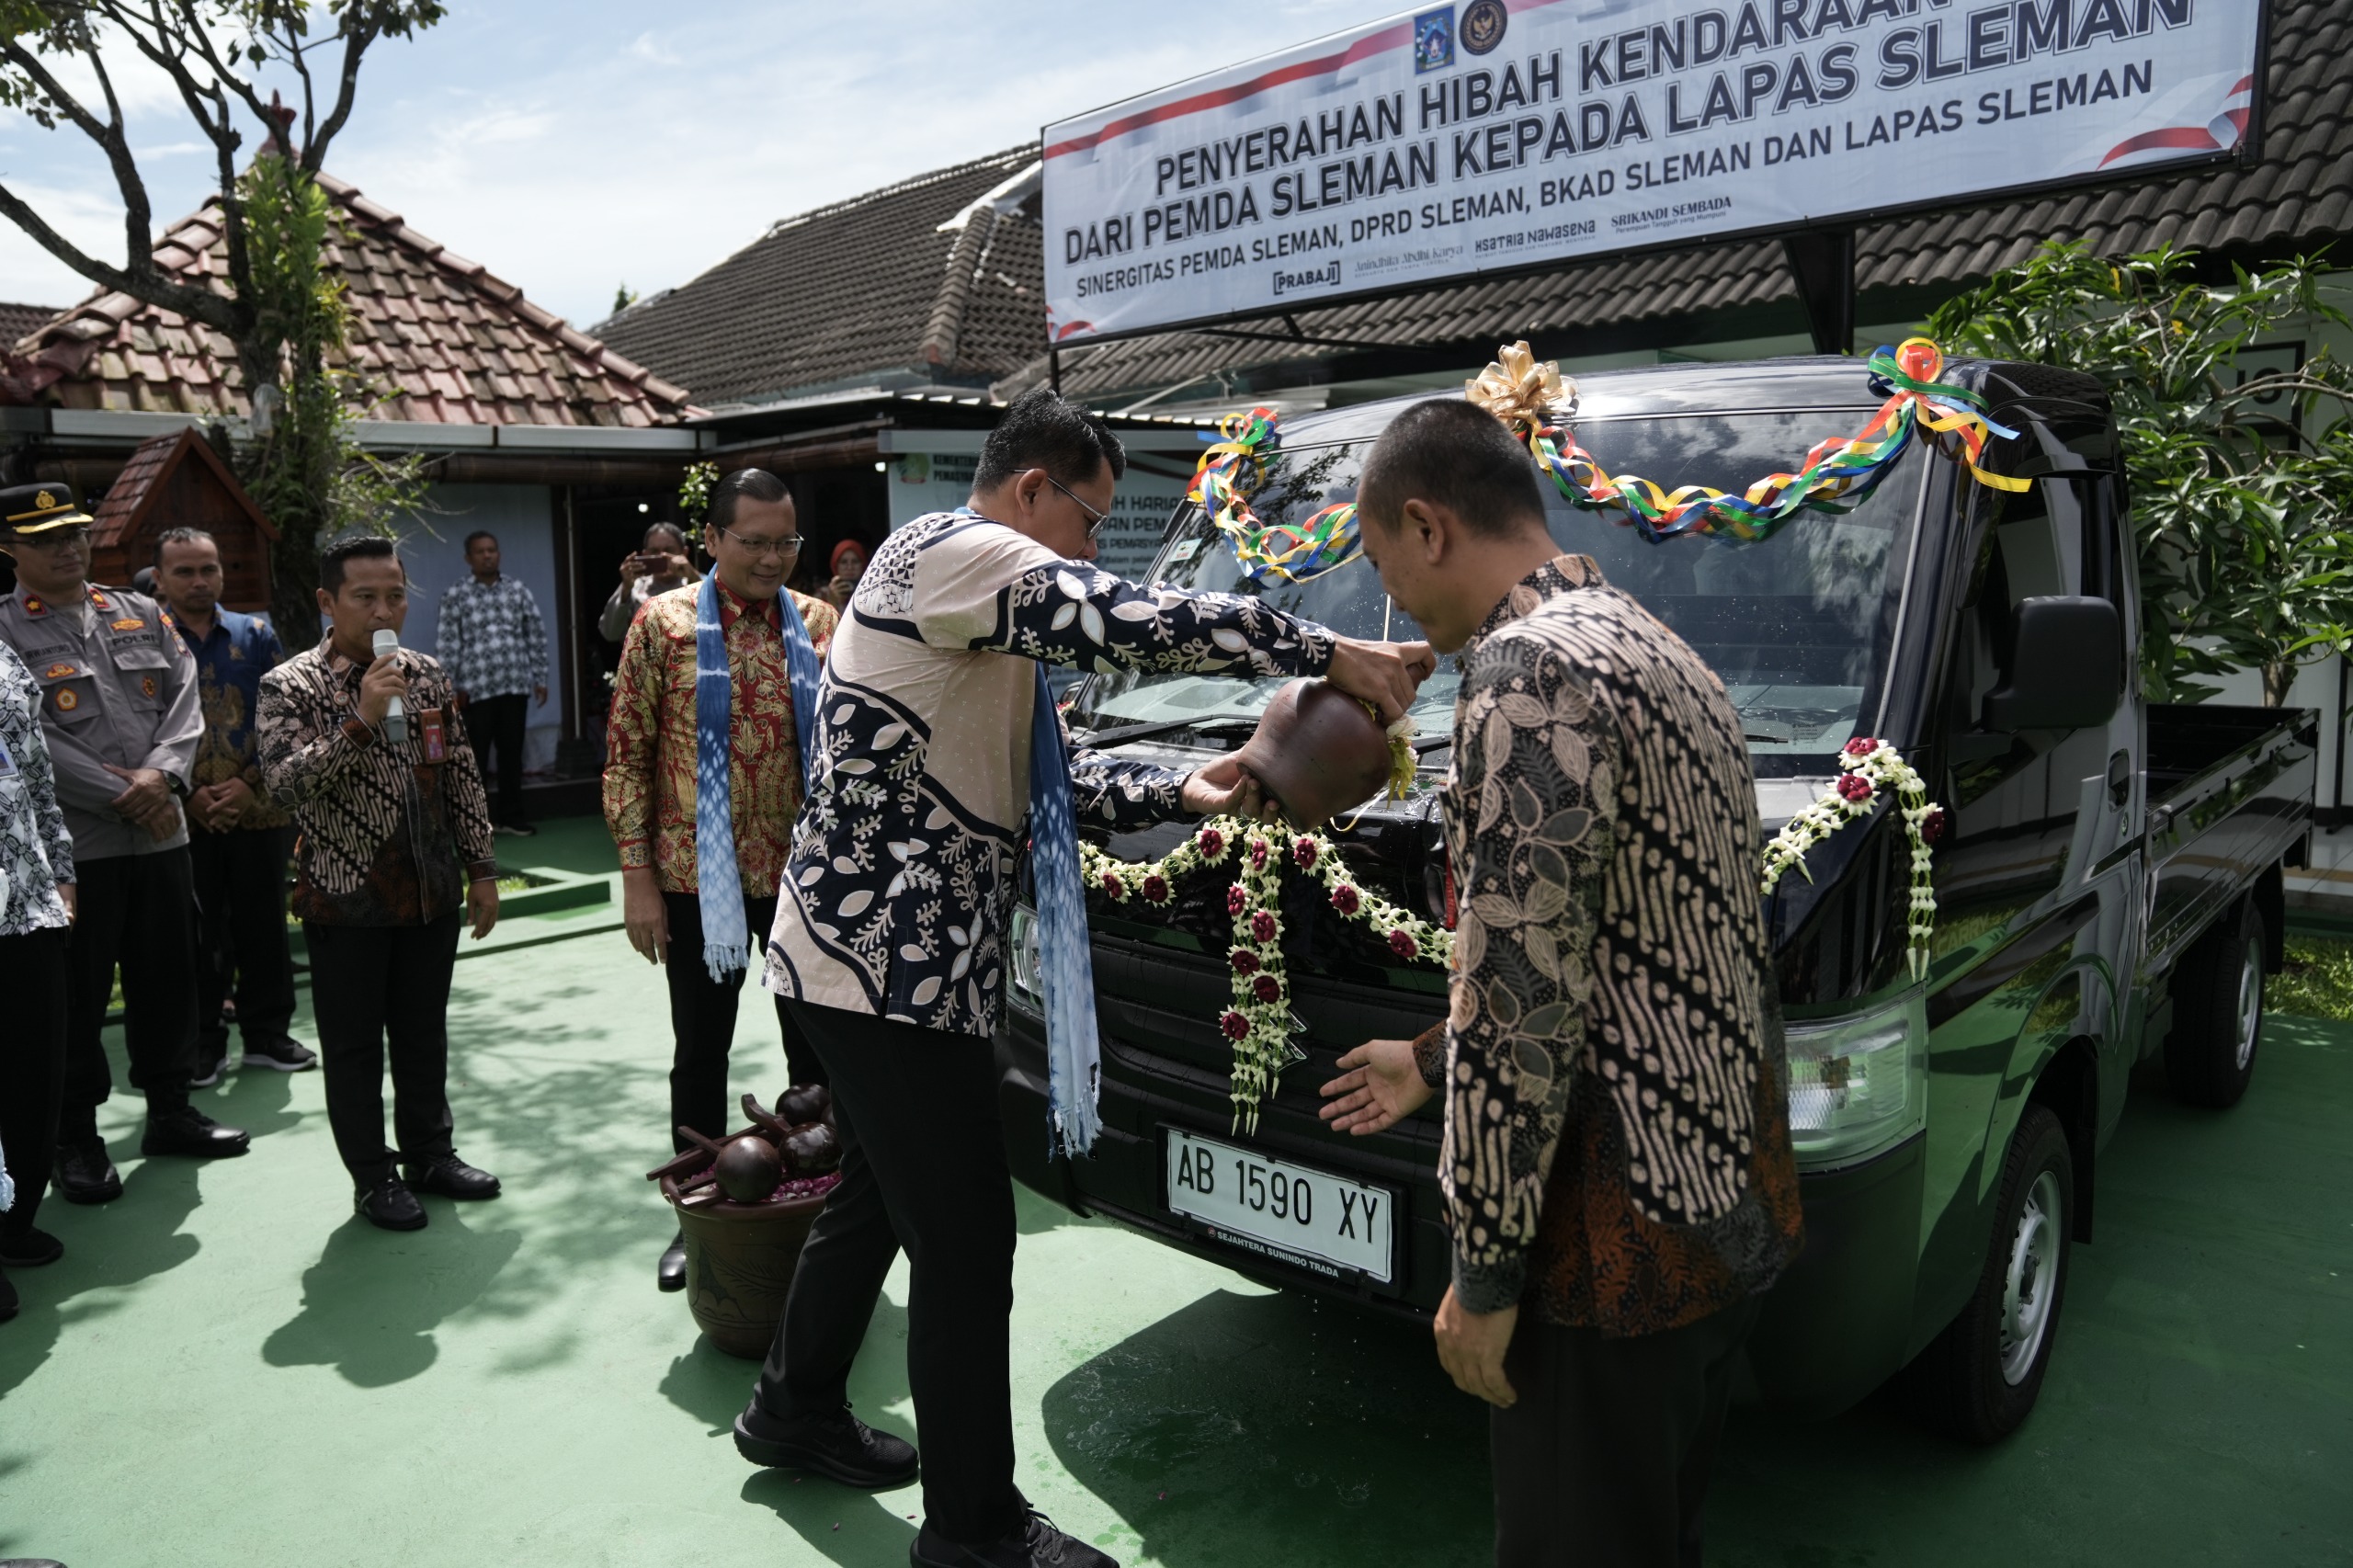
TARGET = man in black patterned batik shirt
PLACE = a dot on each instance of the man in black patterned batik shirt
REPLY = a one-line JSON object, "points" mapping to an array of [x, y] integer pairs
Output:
{"points": [[1617, 1163], [395, 841]]}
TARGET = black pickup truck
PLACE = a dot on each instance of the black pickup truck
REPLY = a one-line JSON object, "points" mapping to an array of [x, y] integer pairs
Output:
{"points": [[2109, 885]]}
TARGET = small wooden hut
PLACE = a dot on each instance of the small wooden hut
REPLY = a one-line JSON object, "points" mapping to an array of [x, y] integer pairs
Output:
{"points": [[178, 482]]}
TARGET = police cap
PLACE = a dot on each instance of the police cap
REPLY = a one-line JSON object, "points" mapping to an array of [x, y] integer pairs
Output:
{"points": [[29, 510]]}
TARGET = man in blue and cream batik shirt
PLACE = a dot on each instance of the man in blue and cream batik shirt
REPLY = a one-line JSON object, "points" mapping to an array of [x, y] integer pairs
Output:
{"points": [[238, 841], [494, 648]]}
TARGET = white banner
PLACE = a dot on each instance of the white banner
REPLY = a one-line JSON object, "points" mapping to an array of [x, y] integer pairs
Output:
{"points": [[1501, 133]]}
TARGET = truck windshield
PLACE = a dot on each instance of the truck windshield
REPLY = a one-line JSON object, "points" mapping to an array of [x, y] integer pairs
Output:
{"points": [[1796, 625]]}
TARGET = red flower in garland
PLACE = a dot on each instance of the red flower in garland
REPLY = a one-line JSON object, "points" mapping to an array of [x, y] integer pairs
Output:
{"points": [[1212, 843], [1932, 826], [1267, 988], [1257, 854], [1112, 887], [1262, 927], [1303, 851], [1234, 899], [1235, 1026], [1861, 745], [1344, 899], [1243, 960], [1402, 943], [1856, 787], [1156, 889]]}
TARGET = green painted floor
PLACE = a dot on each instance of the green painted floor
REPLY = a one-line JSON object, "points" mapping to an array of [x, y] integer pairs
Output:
{"points": [[227, 1369]]}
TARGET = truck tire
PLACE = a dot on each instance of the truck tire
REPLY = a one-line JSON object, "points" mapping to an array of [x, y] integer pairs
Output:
{"points": [[1980, 1378], [2217, 1012]]}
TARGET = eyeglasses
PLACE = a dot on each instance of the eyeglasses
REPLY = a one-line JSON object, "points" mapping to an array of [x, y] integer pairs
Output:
{"points": [[1095, 519], [788, 545]]}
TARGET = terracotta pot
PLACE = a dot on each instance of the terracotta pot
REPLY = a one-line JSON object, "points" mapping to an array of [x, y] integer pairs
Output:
{"points": [[1318, 751], [740, 1258]]}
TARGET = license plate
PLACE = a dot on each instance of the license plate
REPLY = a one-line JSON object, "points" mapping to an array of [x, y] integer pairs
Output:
{"points": [[1309, 1217]]}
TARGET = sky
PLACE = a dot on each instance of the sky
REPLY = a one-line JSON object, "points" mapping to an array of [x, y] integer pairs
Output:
{"points": [[571, 146]]}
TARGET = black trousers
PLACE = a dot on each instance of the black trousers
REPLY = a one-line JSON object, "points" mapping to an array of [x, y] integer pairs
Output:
{"points": [[374, 986], [241, 905], [32, 1066], [140, 911], [498, 723], [702, 1022], [922, 1167], [1604, 1461]]}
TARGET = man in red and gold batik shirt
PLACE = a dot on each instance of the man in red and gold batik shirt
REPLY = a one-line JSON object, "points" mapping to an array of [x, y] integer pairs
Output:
{"points": [[650, 787]]}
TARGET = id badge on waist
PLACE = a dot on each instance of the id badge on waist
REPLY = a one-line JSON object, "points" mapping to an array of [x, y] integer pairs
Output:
{"points": [[431, 733]]}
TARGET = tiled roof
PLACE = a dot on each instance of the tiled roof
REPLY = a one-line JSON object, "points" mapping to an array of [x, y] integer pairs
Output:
{"points": [[441, 339], [868, 291], [16, 321], [2296, 197], [126, 498]]}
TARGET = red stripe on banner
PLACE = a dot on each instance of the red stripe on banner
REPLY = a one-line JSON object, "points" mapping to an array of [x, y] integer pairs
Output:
{"points": [[1218, 97], [2246, 84], [2196, 137], [1398, 36]]}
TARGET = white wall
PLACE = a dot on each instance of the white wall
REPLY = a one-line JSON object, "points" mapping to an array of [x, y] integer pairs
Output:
{"points": [[523, 517]]}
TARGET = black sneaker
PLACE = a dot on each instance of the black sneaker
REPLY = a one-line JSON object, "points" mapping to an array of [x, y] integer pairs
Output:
{"points": [[838, 1446], [518, 830], [389, 1205], [1036, 1544], [31, 1250], [7, 1299], [207, 1072], [82, 1173], [280, 1056], [184, 1130]]}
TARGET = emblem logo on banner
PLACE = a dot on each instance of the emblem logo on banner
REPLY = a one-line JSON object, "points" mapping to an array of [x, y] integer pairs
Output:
{"points": [[1434, 40], [1483, 25]]}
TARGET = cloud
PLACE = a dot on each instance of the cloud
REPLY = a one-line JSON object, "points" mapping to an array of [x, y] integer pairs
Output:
{"points": [[643, 48]]}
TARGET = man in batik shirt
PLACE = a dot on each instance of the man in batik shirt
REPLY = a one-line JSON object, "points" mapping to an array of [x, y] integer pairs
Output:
{"points": [[494, 647], [650, 791], [238, 839], [1617, 1154], [890, 937]]}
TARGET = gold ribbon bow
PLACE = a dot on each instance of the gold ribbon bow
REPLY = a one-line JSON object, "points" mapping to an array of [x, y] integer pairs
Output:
{"points": [[1522, 391]]}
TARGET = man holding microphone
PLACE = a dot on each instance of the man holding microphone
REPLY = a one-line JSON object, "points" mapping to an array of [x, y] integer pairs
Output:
{"points": [[362, 741]]}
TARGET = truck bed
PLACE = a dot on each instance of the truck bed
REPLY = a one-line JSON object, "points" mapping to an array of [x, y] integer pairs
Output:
{"points": [[2230, 792]]}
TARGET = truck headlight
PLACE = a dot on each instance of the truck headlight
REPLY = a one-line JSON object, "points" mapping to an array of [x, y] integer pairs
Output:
{"points": [[1028, 982], [1857, 1086]]}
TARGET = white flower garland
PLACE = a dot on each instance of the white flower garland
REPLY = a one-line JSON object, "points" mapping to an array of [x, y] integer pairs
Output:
{"points": [[1259, 1021], [1870, 765]]}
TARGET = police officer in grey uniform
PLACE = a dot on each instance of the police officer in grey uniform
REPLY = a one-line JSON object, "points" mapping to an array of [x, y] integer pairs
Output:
{"points": [[119, 712]]}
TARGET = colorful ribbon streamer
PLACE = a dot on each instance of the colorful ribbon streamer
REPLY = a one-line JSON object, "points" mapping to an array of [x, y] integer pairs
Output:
{"points": [[1834, 477], [1230, 471]]}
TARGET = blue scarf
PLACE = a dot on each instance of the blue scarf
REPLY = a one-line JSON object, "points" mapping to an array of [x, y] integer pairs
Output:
{"points": [[718, 881], [1073, 1053]]}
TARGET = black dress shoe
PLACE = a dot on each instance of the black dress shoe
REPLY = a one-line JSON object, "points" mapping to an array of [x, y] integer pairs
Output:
{"points": [[184, 1130], [389, 1205], [31, 1250], [1036, 1544], [839, 1446], [451, 1178], [82, 1173], [671, 1272]]}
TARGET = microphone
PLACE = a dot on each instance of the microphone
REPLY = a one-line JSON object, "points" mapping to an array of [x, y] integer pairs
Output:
{"points": [[396, 713]]}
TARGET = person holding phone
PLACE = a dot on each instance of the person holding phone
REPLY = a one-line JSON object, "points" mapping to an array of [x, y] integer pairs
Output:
{"points": [[658, 564]]}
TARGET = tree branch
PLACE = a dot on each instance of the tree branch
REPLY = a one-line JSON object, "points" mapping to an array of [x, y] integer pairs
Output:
{"points": [[356, 36], [143, 282]]}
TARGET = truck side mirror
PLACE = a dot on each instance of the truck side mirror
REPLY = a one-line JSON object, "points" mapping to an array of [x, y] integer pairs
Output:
{"points": [[2067, 672]]}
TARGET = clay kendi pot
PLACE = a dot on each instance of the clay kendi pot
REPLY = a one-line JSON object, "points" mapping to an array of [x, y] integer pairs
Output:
{"points": [[1318, 751]]}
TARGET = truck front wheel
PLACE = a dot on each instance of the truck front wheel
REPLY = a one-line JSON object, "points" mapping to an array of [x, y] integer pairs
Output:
{"points": [[2217, 1012], [1982, 1375]]}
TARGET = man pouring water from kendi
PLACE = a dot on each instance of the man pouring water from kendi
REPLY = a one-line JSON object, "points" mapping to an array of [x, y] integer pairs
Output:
{"points": [[938, 753]]}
